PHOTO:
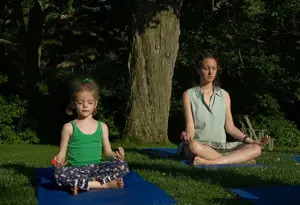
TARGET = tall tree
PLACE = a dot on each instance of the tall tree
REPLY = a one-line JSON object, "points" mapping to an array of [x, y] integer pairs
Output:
{"points": [[152, 58]]}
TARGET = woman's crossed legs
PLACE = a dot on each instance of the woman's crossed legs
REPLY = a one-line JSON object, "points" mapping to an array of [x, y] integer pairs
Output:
{"points": [[204, 154]]}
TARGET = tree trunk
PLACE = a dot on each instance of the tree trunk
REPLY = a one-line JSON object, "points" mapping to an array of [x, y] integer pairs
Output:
{"points": [[151, 64], [34, 38]]}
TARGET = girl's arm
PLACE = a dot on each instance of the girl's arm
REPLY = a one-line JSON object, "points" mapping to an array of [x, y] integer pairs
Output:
{"points": [[229, 125], [120, 154], [189, 122], [66, 133]]}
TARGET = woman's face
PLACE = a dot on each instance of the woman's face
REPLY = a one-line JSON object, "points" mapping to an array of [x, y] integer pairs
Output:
{"points": [[208, 70]]}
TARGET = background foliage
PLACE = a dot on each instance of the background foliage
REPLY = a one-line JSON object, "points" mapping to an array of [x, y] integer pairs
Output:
{"points": [[256, 41]]}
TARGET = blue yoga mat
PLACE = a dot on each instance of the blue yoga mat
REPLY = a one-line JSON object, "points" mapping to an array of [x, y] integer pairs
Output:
{"points": [[276, 195], [136, 191], [296, 158], [172, 152], [160, 152], [221, 166]]}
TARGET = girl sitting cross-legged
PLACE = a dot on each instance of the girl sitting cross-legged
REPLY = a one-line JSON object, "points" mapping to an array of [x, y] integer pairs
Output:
{"points": [[78, 162]]}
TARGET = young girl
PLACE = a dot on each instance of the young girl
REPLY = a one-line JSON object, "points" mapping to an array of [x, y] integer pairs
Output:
{"points": [[78, 162], [207, 116]]}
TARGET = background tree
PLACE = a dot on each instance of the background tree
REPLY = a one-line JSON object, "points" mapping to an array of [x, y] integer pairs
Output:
{"points": [[152, 58], [44, 44]]}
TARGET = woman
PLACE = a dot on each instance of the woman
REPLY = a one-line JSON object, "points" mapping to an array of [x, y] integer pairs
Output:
{"points": [[207, 116]]}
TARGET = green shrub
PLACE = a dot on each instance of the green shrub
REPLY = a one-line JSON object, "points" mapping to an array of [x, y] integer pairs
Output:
{"points": [[273, 119], [13, 127]]}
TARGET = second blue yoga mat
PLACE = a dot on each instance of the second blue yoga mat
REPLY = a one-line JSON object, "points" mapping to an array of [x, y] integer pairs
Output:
{"points": [[172, 152], [221, 166], [137, 191], [160, 152], [296, 158], [277, 195]]}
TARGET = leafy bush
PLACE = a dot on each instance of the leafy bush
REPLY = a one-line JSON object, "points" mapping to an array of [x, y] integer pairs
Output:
{"points": [[13, 128], [271, 118]]}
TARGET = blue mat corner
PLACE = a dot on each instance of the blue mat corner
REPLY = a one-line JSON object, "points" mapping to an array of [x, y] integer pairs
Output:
{"points": [[277, 195], [136, 191]]}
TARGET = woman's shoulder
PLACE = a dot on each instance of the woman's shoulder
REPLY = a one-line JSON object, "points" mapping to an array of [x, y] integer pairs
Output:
{"points": [[221, 91], [192, 90]]}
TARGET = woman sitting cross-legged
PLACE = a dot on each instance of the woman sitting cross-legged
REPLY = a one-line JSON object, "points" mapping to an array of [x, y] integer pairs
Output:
{"points": [[207, 116]]}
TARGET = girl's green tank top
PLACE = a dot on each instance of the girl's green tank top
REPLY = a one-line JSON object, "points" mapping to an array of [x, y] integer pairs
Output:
{"points": [[84, 149]]}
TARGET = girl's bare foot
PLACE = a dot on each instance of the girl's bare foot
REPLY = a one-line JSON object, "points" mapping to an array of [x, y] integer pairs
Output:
{"points": [[74, 190], [117, 183]]}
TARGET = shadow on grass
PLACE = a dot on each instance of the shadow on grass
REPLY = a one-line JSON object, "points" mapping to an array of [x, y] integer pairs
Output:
{"points": [[238, 201], [226, 178], [24, 170]]}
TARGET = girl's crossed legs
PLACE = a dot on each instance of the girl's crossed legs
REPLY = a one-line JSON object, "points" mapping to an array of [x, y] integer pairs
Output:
{"points": [[93, 176]]}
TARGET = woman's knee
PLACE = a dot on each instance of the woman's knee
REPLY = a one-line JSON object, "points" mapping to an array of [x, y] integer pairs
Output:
{"points": [[195, 146], [256, 149]]}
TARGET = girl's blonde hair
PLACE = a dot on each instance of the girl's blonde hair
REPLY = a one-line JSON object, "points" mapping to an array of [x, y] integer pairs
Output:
{"points": [[77, 86]]}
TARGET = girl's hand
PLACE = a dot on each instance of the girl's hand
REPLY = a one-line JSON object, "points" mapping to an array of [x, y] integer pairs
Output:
{"points": [[60, 160], [186, 137], [263, 141], [120, 154]]}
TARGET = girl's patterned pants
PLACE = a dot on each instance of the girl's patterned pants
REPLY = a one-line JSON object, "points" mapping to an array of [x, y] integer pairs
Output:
{"points": [[80, 176]]}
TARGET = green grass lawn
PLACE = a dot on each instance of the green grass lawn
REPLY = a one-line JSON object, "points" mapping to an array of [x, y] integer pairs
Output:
{"points": [[187, 185]]}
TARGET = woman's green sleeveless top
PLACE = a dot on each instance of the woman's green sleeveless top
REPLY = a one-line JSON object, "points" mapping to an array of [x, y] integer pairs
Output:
{"points": [[209, 120]]}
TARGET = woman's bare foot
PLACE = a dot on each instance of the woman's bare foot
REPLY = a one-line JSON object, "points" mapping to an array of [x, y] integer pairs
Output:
{"points": [[199, 160], [252, 161], [74, 190]]}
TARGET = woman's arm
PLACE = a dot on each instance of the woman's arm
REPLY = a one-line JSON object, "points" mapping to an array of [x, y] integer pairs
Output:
{"points": [[235, 132], [229, 125], [66, 133], [120, 154], [189, 122]]}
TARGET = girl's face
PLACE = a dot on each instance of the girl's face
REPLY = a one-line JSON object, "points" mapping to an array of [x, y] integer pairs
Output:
{"points": [[85, 104], [208, 70]]}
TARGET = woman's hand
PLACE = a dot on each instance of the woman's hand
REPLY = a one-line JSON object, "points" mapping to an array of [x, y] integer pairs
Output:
{"points": [[186, 137], [263, 141], [120, 154]]}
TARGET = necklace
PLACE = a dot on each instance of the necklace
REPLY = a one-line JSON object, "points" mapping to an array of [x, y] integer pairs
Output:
{"points": [[206, 92]]}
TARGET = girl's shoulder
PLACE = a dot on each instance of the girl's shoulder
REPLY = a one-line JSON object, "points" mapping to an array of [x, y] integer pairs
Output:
{"points": [[103, 125], [67, 128], [68, 125]]}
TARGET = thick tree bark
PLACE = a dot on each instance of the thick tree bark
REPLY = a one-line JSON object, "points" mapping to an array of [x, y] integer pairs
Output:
{"points": [[151, 64], [34, 38]]}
